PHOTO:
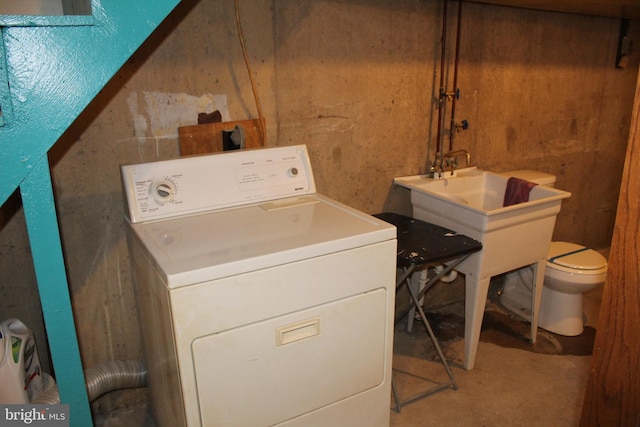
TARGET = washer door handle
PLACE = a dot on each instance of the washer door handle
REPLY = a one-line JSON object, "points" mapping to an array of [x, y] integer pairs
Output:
{"points": [[297, 331]]}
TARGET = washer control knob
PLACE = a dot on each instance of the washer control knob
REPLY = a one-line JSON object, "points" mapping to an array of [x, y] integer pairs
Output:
{"points": [[293, 172], [163, 191]]}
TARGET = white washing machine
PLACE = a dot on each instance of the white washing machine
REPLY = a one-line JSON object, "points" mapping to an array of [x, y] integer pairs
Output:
{"points": [[262, 302]]}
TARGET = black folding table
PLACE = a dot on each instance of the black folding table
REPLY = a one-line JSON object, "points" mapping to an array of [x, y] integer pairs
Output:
{"points": [[420, 245]]}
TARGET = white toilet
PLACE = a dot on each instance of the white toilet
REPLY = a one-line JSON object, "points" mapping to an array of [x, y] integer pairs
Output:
{"points": [[571, 270]]}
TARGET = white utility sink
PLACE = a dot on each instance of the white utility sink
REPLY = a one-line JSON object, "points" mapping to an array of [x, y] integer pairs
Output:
{"points": [[470, 203]]}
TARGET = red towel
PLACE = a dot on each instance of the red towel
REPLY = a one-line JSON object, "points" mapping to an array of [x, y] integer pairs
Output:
{"points": [[517, 191]]}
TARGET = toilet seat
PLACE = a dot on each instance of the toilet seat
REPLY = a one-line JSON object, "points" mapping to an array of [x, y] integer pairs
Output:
{"points": [[575, 259]]}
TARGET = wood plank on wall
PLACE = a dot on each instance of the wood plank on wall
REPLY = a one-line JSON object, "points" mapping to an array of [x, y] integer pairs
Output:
{"points": [[612, 397], [207, 138]]}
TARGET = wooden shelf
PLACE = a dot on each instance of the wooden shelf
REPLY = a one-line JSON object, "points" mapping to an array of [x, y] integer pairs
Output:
{"points": [[629, 9]]}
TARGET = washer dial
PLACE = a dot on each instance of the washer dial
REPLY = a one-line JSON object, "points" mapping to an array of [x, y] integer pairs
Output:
{"points": [[163, 191]]}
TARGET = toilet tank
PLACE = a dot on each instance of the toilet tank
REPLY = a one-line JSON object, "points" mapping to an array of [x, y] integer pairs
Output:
{"points": [[540, 178]]}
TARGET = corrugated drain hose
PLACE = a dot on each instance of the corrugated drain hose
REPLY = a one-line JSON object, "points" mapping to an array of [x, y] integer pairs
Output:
{"points": [[101, 379], [114, 376]]}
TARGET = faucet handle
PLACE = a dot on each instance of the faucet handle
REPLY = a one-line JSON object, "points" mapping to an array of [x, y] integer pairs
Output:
{"points": [[464, 125]]}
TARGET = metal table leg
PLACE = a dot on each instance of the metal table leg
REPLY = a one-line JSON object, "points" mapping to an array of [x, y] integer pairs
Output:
{"points": [[415, 297]]}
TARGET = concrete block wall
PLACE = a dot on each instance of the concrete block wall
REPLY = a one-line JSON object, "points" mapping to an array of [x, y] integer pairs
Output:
{"points": [[355, 80]]}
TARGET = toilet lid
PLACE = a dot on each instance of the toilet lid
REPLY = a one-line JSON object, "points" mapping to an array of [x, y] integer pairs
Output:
{"points": [[571, 255]]}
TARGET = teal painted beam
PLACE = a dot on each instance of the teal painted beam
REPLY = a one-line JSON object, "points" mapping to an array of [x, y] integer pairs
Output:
{"points": [[55, 70], [46, 249], [51, 71]]}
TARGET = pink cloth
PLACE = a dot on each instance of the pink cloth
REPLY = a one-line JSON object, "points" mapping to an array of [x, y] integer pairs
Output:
{"points": [[517, 191]]}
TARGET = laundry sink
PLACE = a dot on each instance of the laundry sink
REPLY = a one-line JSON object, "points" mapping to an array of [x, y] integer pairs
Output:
{"points": [[470, 202], [475, 190]]}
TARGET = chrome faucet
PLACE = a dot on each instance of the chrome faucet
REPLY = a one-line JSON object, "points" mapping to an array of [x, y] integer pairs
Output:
{"points": [[447, 163], [450, 160]]}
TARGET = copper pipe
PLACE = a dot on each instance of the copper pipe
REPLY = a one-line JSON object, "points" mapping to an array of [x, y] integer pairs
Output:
{"points": [[452, 129], [441, 94]]}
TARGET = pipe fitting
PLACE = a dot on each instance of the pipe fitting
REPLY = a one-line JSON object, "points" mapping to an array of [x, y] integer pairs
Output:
{"points": [[447, 278]]}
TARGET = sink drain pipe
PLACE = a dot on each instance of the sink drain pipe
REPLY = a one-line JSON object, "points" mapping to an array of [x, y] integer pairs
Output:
{"points": [[102, 379], [446, 278]]}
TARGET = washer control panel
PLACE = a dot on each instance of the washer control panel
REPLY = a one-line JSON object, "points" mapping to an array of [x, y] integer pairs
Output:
{"points": [[169, 188]]}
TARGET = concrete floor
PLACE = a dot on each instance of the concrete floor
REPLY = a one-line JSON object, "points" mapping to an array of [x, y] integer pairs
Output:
{"points": [[508, 386]]}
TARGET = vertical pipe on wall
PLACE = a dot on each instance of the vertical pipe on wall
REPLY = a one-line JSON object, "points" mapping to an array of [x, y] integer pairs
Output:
{"points": [[441, 94], [452, 129]]}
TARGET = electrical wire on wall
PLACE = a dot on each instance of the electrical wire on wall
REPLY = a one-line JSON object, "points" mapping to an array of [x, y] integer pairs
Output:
{"points": [[246, 61]]}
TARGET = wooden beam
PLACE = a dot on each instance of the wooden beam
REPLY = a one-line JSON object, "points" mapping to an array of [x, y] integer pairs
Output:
{"points": [[612, 397], [48, 262]]}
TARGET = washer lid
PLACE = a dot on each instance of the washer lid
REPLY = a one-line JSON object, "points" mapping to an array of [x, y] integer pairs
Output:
{"points": [[571, 255], [198, 248]]}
